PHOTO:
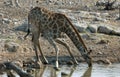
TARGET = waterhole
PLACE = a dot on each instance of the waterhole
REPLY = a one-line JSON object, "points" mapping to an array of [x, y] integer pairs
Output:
{"points": [[81, 70]]}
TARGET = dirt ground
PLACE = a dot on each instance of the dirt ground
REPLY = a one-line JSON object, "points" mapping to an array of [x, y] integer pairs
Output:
{"points": [[105, 48]]}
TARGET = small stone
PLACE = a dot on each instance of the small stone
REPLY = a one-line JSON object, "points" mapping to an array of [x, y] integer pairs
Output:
{"points": [[22, 27], [100, 19], [11, 47], [30, 70], [99, 53], [6, 20], [18, 63], [106, 61], [92, 28], [103, 42]]}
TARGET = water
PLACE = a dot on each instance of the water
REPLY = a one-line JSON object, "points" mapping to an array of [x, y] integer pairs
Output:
{"points": [[81, 70]]}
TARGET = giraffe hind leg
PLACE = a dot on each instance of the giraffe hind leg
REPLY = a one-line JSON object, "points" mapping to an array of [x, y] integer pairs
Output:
{"points": [[38, 61], [68, 48], [45, 61], [36, 52], [35, 39]]}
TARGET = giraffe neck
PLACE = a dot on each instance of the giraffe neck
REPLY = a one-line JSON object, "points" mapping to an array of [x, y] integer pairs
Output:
{"points": [[74, 36]]}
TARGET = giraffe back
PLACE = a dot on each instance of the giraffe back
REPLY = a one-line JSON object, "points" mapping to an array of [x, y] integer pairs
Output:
{"points": [[46, 21], [52, 24]]}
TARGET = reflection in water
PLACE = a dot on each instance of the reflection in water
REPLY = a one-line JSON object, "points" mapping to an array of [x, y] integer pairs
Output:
{"points": [[69, 74], [75, 71], [48, 71], [39, 72], [3, 75], [87, 72], [54, 73]]}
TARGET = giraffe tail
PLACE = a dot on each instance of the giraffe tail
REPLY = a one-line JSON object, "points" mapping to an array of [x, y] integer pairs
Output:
{"points": [[28, 30]]}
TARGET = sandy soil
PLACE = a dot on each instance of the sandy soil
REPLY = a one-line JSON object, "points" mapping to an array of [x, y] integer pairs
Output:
{"points": [[105, 48]]}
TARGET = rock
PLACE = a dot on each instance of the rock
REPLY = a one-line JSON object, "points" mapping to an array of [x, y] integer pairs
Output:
{"points": [[6, 20], [85, 15], [104, 14], [22, 27], [85, 36], [18, 63], [1, 16], [103, 42], [100, 3], [80, 27], [116, 4], [92, 28], [18, 70], [58, 3], [99, 53], [8, 3], [106, 61], [12, 3], [30, 70], [26, 49], [104, 29], [16, 21], [108, 29], [11, 47], [99, 19], [16, 3], [95, 14]]}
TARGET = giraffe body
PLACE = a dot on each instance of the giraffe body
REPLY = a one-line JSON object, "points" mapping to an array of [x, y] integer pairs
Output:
{"points": [[51, 25]]}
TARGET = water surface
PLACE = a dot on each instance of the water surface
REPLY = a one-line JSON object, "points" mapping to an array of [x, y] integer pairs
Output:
{"points": [[81, 70]]}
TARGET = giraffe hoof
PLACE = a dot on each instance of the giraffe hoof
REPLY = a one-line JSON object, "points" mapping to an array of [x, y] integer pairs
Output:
{"points": [[76, 62], [45, 62], [57, 68], [37, 65]]}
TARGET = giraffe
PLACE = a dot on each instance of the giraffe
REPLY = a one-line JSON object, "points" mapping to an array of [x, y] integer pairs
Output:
{"points": [[51, 26]]}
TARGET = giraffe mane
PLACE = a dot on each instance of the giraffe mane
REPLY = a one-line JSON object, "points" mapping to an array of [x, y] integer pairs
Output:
{"points": [[80, 38]]}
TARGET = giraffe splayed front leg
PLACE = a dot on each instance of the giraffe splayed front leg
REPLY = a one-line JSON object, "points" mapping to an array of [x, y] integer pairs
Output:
{"points": [[51, 41], [68, 48]]}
